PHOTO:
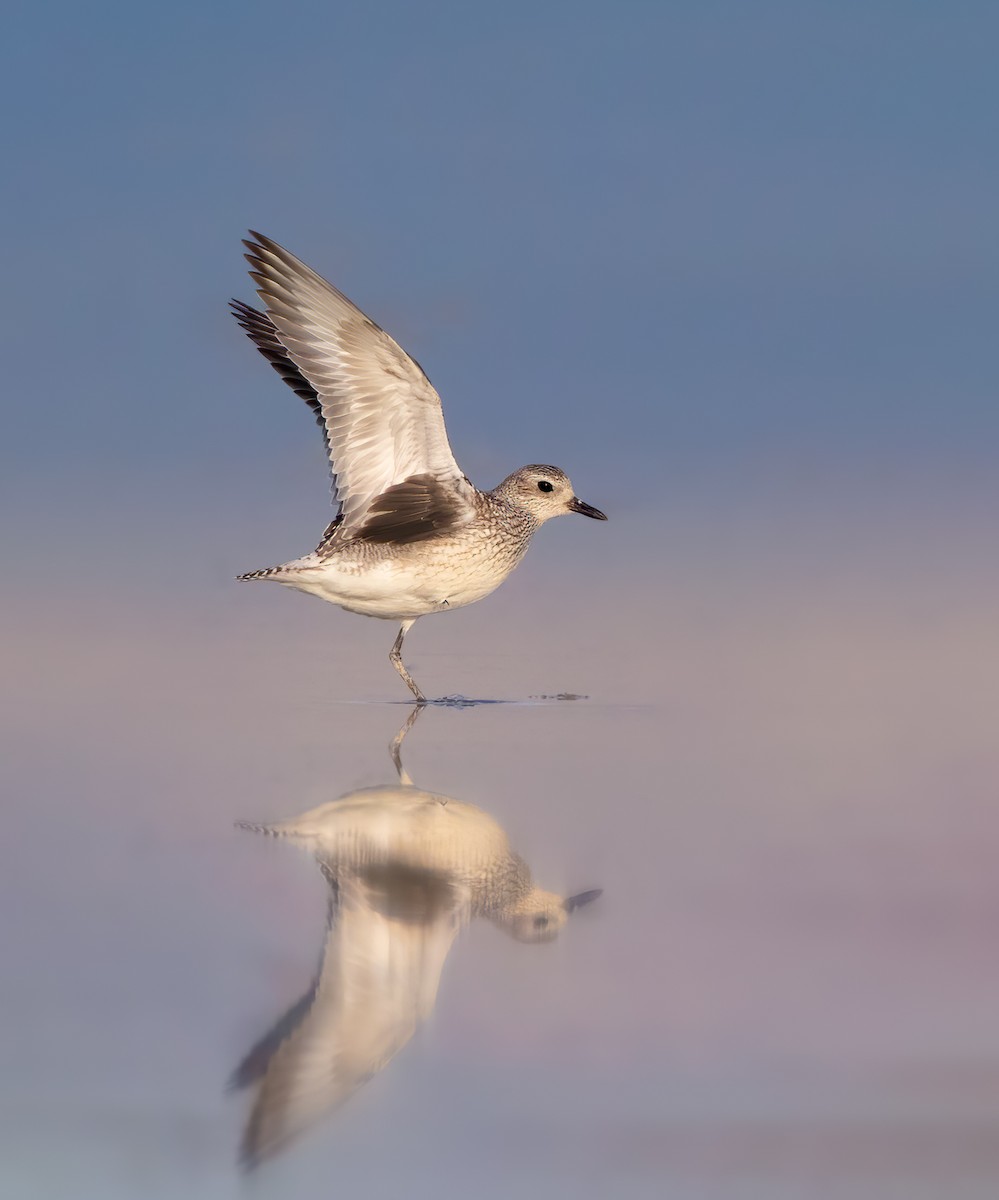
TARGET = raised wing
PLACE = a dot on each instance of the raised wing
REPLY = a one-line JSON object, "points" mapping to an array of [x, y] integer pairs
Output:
{"points": [[390, 933], [394, 473]]}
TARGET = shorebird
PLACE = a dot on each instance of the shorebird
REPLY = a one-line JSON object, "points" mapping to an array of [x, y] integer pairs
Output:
{"points": [[407, 870], [411, 534]]}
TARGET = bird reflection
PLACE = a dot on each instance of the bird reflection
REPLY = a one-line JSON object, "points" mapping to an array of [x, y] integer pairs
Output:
{"points": [[406, 870]]}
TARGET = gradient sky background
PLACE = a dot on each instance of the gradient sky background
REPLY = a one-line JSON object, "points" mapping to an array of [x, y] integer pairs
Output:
{"points": [[734, 267], [688, 249]]}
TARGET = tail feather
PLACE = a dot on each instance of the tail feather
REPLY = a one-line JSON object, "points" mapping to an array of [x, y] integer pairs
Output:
{"points": [[260, 827], [266, 573], [278, 829]]}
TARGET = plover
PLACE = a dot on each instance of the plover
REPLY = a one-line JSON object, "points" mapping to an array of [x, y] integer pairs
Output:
{"points": [[411, 534], [406, 870]]}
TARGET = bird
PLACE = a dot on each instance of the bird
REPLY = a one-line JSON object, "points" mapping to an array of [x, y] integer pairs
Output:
{"points": [[411, 535], [406, 869]]}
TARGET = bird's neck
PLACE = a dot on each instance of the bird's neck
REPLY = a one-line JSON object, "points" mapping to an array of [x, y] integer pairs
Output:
{"points": [[505, 891]]}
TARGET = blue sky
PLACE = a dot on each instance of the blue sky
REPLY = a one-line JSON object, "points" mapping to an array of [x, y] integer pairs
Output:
{"points": [[674, 243]]}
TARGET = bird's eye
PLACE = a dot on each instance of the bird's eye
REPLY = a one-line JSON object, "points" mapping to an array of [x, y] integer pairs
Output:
{"points": [[544, 485], [541, 922]]}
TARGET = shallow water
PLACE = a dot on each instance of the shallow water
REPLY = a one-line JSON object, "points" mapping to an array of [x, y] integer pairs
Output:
{"points": [[788, 987]]}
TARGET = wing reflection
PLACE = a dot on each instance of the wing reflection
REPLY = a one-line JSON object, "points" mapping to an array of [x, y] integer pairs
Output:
{"points": [[406, 869]]}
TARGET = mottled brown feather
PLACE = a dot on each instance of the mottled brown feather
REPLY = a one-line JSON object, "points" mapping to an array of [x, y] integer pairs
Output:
{"points": [[418, 508]]}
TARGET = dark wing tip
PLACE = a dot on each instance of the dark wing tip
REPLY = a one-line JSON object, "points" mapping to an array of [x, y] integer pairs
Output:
{"points": [[249, 318], [257, 1059], [251, 1150]]}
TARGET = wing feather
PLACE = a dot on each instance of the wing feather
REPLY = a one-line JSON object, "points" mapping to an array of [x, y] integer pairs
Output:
{"points": [[382, 417], [259, 328], [384, 954]]}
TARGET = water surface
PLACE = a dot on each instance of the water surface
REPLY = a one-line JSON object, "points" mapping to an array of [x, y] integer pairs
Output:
{"points": [[786, 792]]}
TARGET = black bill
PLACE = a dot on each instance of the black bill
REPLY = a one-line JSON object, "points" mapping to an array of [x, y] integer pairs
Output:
{"points": [[577, 901], [577, 505]]}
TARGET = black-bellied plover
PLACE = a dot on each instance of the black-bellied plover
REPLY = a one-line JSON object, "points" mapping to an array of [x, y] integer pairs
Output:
{"points": [[411, 534], [407, 870]]}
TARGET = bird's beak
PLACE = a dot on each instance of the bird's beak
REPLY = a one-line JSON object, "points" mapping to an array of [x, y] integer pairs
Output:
{"points": [[577, 505], [577, 901]]}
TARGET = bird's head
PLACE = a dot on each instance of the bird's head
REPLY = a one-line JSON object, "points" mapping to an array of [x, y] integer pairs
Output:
{"points": [[544, 492], [540, 916]]}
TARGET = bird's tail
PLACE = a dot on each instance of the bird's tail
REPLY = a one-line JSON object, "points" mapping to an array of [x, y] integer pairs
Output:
{"points": [[276, 830], [309, 826], [266, 573]]}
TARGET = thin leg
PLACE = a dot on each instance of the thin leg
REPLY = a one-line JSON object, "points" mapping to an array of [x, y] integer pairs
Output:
{"points": [[395, 658], [396, 747]]}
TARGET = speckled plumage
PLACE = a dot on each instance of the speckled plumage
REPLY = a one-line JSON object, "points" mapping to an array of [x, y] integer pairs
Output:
{"points": [[411, 535], [405, 580]]}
